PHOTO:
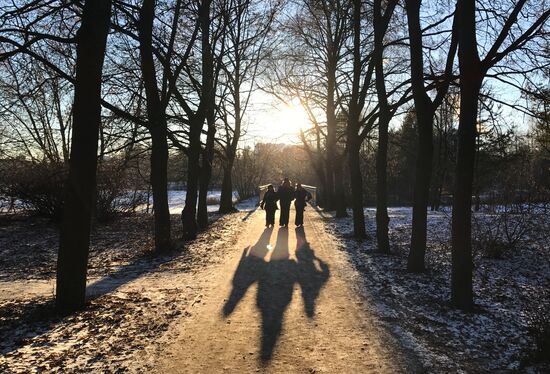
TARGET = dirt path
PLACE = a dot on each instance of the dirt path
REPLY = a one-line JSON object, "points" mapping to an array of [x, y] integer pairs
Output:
{"points": [[281, 303]]}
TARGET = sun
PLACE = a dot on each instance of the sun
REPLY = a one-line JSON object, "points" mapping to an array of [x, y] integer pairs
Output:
{"points": [[277, 122], [291, 118]]}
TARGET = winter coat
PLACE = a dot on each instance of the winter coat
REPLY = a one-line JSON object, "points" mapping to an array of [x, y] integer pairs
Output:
{"points": [[302, 196], [270, 200], [286, 194]]}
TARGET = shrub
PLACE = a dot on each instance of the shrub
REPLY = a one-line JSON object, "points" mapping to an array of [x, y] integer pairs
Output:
{"points": [[38, 186], [212, 200], [497, 233]]}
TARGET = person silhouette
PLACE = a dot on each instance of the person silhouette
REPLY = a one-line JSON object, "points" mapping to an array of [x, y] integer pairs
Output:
{"points": [[286, 195], [269, 203], [302, 196]]}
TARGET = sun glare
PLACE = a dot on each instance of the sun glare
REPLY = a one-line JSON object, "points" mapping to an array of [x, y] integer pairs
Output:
{"points": [[291, 119]]}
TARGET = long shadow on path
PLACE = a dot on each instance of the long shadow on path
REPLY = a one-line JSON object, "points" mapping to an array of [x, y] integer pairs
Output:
{"points": [[276, 279]]}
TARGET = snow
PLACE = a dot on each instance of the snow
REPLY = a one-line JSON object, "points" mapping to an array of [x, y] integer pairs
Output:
{"points": [[134, 296], [176, 202], [417, 309]]}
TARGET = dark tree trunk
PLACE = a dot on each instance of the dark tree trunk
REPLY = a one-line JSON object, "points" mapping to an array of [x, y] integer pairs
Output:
{"points": [[72, 261], [157, 128], [421, 194], [381, 21], [382, 219], [470, 84], [189, 213], [356, 180], [354, 139], [461, 276], [424, 117], [340, 191], [330, 195], [330, 153], [438, 180], [226, 198], [206, 175], [159, 182]]}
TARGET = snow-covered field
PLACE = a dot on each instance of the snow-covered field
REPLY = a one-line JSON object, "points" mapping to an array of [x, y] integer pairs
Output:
{"points": [[176, 202], [417, 309]]}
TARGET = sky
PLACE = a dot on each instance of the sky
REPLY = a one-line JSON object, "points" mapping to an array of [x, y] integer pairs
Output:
{"points": [[271, 121]]}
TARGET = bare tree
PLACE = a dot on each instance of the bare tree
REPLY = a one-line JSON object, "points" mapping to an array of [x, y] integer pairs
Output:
{"points": [[518, 26], [381, 20], [313, 71], [425, 109], [72, 262], [157, 125], [249, 26]]}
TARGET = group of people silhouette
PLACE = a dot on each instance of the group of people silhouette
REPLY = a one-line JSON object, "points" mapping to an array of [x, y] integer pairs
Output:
{"points": [[285, 194]]}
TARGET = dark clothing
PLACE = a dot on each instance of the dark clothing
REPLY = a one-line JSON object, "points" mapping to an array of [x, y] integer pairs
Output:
{"points": [[286, 195], [302, 196], [269, 203]]}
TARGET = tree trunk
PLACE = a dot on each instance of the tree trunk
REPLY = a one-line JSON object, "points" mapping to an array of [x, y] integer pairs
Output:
{"points": [[206, 175], [470, 85], [226, 198], [461, 275], [424, 115], [382, 219], [330, 152], [340, 191], [189, 213], [421, 194], [159, 182], [157, 128], [72, 261], [202, 208], [356, 178]]}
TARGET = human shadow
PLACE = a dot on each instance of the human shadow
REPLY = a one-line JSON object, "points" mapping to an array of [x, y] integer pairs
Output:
{"points": [[248, 271], [275, 287], [276, 279], [313, 272]]}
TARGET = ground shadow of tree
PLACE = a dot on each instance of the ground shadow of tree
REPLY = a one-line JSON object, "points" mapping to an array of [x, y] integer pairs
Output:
{"points": [[276, 279]]}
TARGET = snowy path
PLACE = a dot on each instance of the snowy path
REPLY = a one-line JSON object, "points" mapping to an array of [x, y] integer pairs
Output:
{"points": [[282, 302]]}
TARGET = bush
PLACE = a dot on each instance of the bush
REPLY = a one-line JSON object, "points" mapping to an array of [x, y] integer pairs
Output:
{"points": [[497, 233], [114, 193], [38, 187]]}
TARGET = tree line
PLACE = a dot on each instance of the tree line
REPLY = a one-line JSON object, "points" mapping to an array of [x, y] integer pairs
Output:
{"points": [[84, 80], [358, 66]]}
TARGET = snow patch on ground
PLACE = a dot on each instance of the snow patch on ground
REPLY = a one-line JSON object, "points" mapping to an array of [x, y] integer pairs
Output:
{"points": [[416, 306], [134, 296]]}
